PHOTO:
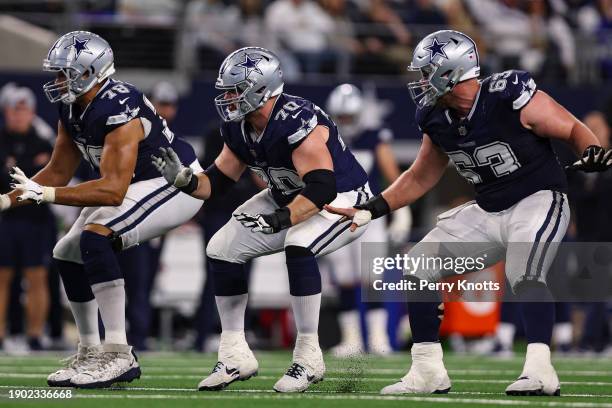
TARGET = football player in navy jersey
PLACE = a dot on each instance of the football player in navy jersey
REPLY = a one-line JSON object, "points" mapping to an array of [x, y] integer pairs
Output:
{"points": [[295, 148], [112, 126], [497, 133], [372, 149]]}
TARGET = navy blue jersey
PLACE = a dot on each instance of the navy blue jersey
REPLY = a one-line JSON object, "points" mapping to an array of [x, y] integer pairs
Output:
{"points": [[115, 104], [269, 155], [364, 147], [491, 148]]}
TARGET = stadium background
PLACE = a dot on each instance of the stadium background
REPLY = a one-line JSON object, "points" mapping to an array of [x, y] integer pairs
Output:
{"points": [[564, 43]]}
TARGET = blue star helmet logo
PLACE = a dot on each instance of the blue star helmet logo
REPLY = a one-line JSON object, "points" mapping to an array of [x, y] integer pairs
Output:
{"points": [[79, 46], [436, 48], [250, 64]]}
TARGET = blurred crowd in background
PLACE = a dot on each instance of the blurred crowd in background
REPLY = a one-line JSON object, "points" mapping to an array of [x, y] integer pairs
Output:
{"points": [[556, 40], [563, 42]]}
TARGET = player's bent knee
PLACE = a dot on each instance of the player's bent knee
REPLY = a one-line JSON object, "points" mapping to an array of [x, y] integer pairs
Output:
{"points": [[221, 249], [68, 249], [229, 278], [304, 276], [99, 258]]}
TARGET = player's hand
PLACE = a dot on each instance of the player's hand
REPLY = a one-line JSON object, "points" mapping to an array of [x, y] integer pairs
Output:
{"points": [[358, 216], [31, 190], [5, 202], [265, 223], [594, 159], [401, 224], [170, 166]]}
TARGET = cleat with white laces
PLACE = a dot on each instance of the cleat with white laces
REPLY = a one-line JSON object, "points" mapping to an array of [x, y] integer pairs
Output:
{"points": [[307, 367], [236, 363], [85, 358], [539, 376], [427, 373], [117, 363]]}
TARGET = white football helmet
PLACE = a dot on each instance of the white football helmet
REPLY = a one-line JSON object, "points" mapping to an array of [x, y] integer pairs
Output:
{"points": [[345, 105], [442, 60], [85, 59]]}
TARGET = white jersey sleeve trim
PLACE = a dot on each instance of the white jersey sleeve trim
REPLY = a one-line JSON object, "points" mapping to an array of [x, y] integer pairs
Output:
{"points": [[304, 130], [526, 95]]}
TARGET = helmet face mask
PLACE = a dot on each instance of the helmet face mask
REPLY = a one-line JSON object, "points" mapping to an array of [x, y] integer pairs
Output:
{"points": [[440, 61], [80, 60], [232, 104], [248, 77]]}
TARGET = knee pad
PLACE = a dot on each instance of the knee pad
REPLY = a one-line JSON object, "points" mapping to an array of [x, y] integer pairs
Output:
{"points": [[304, 276], [229, 279], [99, 259], [532, 291]]}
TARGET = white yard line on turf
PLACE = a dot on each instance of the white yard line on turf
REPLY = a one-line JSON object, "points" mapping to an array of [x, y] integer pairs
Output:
{"points": [[365, 370], [341, 379], [255, 391], [479, 401]]}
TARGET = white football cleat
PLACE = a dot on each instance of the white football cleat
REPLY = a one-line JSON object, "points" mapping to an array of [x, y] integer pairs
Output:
{"points": [[236, 362], [351, 344], [116, 363], [347, 350], [85, 358], [539, 376], [427, 373], [307, 367]]}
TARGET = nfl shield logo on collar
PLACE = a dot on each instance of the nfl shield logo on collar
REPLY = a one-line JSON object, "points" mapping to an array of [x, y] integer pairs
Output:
{"points": [[462, 130]]}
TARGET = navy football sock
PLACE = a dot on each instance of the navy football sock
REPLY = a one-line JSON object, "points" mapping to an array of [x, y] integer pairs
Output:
{"points": [[229, 278], [99, 259], [75, 281], [538, 317], [348, 298], [425, 313], [304, 276]]}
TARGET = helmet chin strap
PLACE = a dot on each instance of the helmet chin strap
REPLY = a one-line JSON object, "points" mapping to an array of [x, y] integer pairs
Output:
{"points": [[69, 99]]}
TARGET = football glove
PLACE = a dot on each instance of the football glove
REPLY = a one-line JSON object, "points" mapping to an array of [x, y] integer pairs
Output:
{"points": [[5, 202], [170, 166], [31, 190], [377, 206], [266, 223], [594, 159], [401, 223]]}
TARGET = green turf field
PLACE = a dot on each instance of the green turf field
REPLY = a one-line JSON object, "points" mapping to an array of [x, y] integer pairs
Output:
{"points": [[170, 380]]}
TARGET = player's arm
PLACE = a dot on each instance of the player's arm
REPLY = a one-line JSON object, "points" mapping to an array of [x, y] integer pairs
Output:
{"points": [[64, 161], [217, 179], [314, 165], [411, 185], [117, 164], [547, 118], [401, 222]]}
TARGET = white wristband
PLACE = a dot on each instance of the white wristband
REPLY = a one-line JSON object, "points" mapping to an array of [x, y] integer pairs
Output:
{"points": [[5, 202], [48, 194]]}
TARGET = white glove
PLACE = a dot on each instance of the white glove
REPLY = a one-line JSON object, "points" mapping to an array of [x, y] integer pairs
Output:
{"points": [[31, 189], [5, 202], [170, 166], [400, 226]]}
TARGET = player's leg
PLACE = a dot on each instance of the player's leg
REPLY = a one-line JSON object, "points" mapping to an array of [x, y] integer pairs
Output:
{"points": [[319, 235], [460, 232], [82, 302], [531, 249], [344, 267], [228, 250], [150, 208], [376, 314]]}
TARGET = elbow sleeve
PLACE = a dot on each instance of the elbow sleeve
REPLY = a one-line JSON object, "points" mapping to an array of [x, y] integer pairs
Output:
{"points": [[219, 182], [320, 187]]}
